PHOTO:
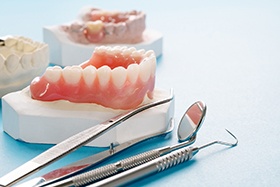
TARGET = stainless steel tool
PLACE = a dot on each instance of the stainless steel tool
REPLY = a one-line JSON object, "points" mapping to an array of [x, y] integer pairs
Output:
{"points": [[80, 165], [188, 127], [73, 143], [157, 165]]}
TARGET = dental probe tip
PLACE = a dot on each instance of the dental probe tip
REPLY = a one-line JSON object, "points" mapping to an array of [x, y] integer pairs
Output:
{"points": [[220, 142]]}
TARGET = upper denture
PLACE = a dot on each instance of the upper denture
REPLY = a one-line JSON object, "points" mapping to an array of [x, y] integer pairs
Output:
{"points": [[115, 77], [99, 26]]}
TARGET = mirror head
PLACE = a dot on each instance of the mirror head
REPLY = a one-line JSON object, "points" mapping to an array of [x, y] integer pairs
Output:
{"points": [[191, 121]]}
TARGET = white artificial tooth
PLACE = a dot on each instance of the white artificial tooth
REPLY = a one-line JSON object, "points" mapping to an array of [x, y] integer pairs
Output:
{"points": [[149, 53], [129, 51], [53, 74], [57, 68], [145, 70], [12, 63], [20, 45], [104, 75], [28, 47], [133, 72], [152, 63], [89, 75], [26, 61], [119, 75], [72, 74], [9, 42], [95, 26], [141, 51], [123, 48], [136, 54], [132, 49], [2, 61], [117, 49], [100, 49], [110, 51], [76, 68]]}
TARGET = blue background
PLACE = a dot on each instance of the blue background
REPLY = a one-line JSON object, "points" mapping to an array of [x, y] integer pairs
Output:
{"points": [[225, 53]]}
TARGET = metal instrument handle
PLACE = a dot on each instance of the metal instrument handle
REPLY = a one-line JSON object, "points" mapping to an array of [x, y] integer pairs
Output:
{"points": [[111, 169], [96, 158], [157, 165]]}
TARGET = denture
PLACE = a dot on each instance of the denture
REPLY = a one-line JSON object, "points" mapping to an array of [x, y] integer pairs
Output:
{"points": [[114, 77], [99, 26], [21, 59]]}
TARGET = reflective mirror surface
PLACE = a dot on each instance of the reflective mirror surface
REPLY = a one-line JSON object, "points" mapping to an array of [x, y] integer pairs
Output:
{"points": [[191, 121]]}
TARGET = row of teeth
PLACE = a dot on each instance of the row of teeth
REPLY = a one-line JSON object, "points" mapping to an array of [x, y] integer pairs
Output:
{"points": [[22, 53], [96, 26], [125, 51], [22, 44], [73, 74], [26, 61]]}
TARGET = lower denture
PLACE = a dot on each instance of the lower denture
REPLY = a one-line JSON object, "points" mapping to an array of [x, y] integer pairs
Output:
{"points": [[118, 78]]}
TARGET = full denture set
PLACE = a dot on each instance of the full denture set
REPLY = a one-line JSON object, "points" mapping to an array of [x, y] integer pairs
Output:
{"points": [[113, 79], [117, 77]]}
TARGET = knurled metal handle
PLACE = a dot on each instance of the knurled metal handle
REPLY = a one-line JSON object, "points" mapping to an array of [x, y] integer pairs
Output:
{"points": [[111, 169]]}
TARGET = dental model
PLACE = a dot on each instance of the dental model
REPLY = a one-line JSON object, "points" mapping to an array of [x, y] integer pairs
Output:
{"points": [[21, 59], [72, 43], [114, 77], [103, 27]]}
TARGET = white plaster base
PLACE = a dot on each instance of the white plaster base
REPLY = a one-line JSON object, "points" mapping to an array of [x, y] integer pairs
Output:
{"points": [[64, 52], [35, 121]]}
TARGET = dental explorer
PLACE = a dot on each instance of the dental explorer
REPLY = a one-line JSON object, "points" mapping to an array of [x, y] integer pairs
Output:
{"points": [[189, 125], [157, 165]]}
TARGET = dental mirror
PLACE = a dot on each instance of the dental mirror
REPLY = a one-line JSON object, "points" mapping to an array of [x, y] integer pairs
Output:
{"points": [[191, 121], [187, 130]]}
